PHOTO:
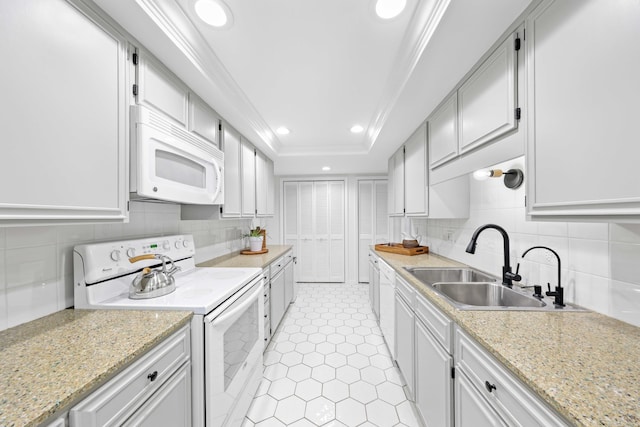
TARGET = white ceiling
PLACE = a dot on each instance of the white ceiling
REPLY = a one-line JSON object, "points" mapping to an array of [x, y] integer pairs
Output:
{"points": [[320, 66]]}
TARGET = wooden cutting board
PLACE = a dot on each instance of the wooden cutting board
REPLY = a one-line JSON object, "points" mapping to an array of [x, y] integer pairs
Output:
{"points": [[397, 248]]}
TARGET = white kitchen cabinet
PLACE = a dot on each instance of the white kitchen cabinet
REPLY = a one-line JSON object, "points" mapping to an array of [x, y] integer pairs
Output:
{"points": [[498, 388], [433, 382], [396, 183], [160, 89], [372, 221], [487, 100], [471, 409], [415, 173], [248, 181], [265, 191], [232, 173], [374, 283], [64, 115], [159, 381], [387, 305], [582, 150], [204, 121], [405, 331], [289, 280], [443, 132], [276, 298]]}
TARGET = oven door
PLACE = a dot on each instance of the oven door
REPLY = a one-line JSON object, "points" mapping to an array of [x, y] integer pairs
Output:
{"points": [[234, 337]]}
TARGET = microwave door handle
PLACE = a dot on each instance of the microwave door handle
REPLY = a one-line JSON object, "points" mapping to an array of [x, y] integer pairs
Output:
{"points": [[216, 169], [229, 314]]}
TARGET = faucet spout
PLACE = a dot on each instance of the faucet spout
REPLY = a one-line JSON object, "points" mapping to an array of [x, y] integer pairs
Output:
{"points": [[558, 293], [507, 276]]}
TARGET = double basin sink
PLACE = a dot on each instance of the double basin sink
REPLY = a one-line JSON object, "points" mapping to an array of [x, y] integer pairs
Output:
{"points": [[470, 289]]}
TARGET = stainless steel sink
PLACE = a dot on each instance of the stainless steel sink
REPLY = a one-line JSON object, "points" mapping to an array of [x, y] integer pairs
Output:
{"points": [[486, 295], [429, 276], [470, 289]]}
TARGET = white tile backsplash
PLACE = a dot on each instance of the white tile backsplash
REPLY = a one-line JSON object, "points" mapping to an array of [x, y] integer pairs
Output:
{"points": [[36, 263], [600, 261]]}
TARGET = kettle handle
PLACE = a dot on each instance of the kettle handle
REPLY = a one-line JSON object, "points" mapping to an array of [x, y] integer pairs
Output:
{"points": [[141, 257]]}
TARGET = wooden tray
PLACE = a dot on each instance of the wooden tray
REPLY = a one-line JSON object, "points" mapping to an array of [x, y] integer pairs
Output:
{"points": [[248, 252], [397, 248]]}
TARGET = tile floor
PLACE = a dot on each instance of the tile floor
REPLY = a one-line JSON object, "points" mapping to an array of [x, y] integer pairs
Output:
{"points": [[328, 365]]}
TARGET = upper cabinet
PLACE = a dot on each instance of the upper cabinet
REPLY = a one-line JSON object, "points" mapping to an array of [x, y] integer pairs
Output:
{"points": [[248, 178], [63, 115], [232, 174], [204, 121], [477, 125], [265, 186], [409, 191], [582, 150], [487, 100]]}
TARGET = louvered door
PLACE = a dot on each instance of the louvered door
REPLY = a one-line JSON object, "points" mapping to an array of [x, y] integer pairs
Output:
{"points": [[372, 221]]}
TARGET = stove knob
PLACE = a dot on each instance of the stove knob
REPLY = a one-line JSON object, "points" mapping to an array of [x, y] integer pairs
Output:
{"points": [[131, 252], [165, 245], [185, 243], [115, 255], [178, 244]]}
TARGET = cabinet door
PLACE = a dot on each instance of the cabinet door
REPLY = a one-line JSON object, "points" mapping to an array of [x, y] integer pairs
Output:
{"points": [[276, 300], [582, 151], [63, 114], [443, 132], [434, 385], [169, 406], [232, 174], [203, 121], [288, 284], [487, 100], [471, 409], [248, 171], [159, 89], [405, 340], [415, 173], [264, 185]]}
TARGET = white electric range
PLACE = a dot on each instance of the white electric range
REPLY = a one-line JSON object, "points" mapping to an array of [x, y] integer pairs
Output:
{"points": [[227, 330]]}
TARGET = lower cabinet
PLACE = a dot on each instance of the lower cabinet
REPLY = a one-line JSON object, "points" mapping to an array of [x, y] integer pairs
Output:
{"points": [[452, 378], [279, 292], [277, 299], [155, 390], [374, 284]]}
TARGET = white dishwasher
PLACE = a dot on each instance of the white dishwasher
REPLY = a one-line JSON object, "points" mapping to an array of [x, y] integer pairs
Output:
{"points": [[387, 305]]}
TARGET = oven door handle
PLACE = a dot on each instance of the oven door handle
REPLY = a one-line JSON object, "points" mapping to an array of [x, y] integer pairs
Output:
{"points": [[246, 302]]}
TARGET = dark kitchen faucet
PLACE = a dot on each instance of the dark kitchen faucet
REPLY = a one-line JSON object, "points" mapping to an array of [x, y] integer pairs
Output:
{"points": [[558, 293], [507, 275]]}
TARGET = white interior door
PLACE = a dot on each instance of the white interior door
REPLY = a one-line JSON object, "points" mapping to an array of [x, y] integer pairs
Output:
{"points": [[314, 222]]}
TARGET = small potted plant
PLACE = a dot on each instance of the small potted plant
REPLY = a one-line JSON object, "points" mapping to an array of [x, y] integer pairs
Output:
{"points": [[255, 239]]}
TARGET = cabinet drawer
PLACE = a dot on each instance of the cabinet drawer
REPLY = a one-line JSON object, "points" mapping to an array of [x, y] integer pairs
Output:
{"points": [[288, 257], [277, 265], [406, 291], [512, 399], [115, 401], [438, 324]]}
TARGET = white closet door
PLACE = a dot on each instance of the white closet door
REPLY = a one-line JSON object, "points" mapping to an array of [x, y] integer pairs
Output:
{"points": [[336, 231], [381, 210], [314, 222]]}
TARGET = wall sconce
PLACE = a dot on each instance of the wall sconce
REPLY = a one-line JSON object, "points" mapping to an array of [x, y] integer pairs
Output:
{"points": [[513, 178]]}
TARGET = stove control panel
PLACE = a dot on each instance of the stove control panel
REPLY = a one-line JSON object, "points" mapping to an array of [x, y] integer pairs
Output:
{"points": [[106, 260]]}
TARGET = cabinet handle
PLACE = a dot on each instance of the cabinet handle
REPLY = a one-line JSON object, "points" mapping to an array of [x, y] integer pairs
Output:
{"points": [[152, 376], [265, 316], [490, 387]]}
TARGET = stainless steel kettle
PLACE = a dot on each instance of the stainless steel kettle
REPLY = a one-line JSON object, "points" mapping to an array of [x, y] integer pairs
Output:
{"points": [[151, 283]]}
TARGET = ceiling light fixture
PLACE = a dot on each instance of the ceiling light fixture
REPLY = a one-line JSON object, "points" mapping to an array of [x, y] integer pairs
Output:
{"points": [[513, 178], [283, 130], [387, 9], [214, 13], [326, 168], [356, 129]]}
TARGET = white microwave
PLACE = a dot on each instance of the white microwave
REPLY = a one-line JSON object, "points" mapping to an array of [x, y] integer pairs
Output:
{"points": [[170, 164]]}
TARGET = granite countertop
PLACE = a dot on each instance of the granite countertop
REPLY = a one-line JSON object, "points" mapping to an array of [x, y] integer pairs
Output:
{"points": [[248, 261], [49, 364], [583, 364]]}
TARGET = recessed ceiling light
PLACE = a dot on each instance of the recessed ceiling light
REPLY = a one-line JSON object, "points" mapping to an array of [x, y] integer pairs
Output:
{"points": [[387, 9], [357, 129], [214, 12], [283, 130], [326, 168]]}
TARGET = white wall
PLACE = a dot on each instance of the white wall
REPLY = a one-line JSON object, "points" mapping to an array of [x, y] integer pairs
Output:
{"points": [[36, 263], [600, 267]]}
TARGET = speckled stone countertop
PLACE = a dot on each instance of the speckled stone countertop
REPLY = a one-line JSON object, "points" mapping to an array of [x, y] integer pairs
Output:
{"points": [[49, 364], [248, 261], [583, 364]]}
